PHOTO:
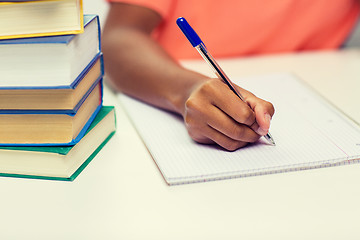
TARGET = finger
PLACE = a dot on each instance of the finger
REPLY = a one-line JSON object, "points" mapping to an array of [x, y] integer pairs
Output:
{"points": [[229, 127], [198, 118], [255, 127], [212, 135], [264, 111], [229, 103]]}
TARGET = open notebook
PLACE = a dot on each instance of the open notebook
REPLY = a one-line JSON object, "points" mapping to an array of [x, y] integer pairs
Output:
{"points": [[309, 133]]}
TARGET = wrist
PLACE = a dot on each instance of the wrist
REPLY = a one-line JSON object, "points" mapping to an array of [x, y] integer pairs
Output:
{"points": [[187, 83]]}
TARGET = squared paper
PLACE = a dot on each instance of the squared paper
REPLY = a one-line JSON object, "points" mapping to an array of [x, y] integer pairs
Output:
{"points": [[308, 131]]}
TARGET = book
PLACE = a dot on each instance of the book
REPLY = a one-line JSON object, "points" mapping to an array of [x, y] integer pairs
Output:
{"points": [[39, 128], [19, 19], [62, 100], [309, 133], [59, 163], [49, 62]]}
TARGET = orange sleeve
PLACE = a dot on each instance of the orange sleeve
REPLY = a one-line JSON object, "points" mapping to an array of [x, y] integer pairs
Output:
{"points": [[160, 6]]}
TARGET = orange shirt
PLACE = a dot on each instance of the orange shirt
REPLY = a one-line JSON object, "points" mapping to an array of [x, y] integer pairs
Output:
{"points": [[246, 27]]}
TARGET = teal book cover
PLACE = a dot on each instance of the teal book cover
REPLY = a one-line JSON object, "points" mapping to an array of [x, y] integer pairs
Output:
{"points": [[26, 162]]}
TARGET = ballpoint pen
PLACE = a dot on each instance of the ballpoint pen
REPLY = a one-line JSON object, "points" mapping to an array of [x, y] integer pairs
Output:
{"points": [[196, 42]]}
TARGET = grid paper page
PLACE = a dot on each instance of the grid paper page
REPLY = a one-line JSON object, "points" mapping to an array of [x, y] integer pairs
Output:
{"points": [[309, 133]]}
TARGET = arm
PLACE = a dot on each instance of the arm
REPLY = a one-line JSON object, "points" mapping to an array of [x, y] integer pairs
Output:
{"points": [[138, 66]]}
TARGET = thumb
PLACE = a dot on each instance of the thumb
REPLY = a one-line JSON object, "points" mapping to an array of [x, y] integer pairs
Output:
{"points": [[263, 120], [263, 115], [264, 111]]}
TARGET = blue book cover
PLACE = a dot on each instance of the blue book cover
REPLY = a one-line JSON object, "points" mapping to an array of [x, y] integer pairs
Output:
{"points": [[50, 62], [23, 65], [24, 132], [77, 81]]}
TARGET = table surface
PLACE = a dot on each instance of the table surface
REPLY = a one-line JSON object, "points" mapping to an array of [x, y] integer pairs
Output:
{"points": [[122, 195]]}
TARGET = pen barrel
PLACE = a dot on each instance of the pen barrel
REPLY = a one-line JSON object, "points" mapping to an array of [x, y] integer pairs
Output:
{"points": [[217, 69], [196, 42]]}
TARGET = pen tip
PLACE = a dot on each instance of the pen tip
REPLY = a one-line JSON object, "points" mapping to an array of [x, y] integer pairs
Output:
{"points": [[270, 139]]}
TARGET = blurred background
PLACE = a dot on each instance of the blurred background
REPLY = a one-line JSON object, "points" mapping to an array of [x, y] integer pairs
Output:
{"points": [[99, 7]]}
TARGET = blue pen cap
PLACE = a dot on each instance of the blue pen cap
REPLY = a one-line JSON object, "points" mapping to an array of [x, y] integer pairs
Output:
{"points": [[191, 35]]}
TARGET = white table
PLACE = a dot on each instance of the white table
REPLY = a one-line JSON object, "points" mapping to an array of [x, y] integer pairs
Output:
{"points": [[121, 194]]}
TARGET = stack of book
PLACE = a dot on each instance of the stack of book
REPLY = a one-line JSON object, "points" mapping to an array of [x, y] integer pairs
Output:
{"points": [[52, 120]]}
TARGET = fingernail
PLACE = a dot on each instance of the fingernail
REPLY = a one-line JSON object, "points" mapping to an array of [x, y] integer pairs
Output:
{"points": [[267, 119], [262, 131]]}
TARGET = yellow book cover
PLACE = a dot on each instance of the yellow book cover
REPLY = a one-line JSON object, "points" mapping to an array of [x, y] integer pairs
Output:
{"points": [[36, 18]]}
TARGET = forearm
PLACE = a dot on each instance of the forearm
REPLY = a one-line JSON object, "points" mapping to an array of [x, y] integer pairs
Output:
{"points": [[138, 66]]}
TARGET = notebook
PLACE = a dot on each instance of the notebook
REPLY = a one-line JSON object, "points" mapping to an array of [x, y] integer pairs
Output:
{"points": [[309, 133]]}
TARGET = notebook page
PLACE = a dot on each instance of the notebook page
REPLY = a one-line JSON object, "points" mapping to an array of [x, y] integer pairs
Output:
{"points": [[309, 133]]}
